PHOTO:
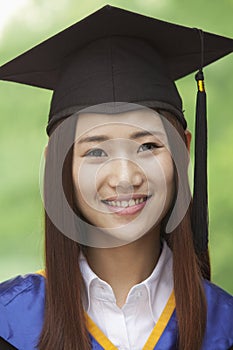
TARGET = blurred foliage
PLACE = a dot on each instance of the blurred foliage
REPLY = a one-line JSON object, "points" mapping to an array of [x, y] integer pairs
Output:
{"points": [[24, 110]]}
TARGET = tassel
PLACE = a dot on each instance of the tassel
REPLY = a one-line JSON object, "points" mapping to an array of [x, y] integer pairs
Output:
{"points": [[200, 197]]}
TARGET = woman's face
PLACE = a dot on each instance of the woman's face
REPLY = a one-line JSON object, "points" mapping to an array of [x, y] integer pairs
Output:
{"points": [[123, 172]]}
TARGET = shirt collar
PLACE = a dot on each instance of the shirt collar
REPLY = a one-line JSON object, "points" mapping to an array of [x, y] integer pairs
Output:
{"points": [[156, 289]]}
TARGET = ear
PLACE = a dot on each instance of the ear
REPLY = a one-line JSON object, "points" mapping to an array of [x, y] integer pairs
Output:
{"points": [[188, 136]]}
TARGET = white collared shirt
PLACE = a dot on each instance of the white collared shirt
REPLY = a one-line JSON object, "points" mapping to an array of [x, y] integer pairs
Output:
{"points": [[129, 327]]}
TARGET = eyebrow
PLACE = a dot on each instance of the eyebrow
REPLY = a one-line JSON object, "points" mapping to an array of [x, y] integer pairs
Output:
{"points": [[133, 136]]}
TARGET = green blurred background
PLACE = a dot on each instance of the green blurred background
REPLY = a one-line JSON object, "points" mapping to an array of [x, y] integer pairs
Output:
{"points": [[24, 110]]}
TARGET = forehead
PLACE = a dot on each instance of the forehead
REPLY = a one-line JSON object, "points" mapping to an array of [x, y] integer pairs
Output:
{"points": [[139, 119]]}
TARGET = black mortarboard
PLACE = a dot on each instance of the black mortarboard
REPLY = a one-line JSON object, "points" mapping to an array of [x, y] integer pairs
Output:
{"points": [[118, 55]]}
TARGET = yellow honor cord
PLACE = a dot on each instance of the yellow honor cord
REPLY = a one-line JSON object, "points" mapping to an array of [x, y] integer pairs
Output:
{"points": [[200, 85]]}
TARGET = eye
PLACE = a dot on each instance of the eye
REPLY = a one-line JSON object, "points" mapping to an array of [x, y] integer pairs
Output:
{"points": [[97, 152], [149, 146]]}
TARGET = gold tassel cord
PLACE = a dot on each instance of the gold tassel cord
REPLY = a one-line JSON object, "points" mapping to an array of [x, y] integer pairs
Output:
{"points": [[201, 86]]}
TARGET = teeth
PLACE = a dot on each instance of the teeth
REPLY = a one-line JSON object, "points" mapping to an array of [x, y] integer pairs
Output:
{"points": [[125, 204], [131, 202]]}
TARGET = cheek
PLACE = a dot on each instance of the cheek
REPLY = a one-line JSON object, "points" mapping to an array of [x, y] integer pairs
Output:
{"points": [[168, 168], [169, 171], [84, 179], [161, 168], [165, 175]]}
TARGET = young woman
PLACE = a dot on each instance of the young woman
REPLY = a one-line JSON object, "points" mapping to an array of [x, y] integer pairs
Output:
{"points": [[126, 246]]}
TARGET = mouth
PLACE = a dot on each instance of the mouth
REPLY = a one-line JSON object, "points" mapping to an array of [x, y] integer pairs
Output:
{"points": [[126, 205]]}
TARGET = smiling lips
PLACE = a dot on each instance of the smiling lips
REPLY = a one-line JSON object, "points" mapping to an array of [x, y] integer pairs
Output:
{"points": [[126, 205]]}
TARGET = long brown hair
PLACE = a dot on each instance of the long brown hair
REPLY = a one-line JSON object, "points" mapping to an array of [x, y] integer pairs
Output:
{"points": [[64, 325], [189, 267]]}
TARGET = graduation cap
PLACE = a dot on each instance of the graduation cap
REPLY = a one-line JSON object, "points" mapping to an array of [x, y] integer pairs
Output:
{"points": [[114, 55]]}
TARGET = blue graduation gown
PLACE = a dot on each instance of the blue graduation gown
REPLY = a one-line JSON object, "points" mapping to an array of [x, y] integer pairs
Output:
{"points": [[22, 311]]}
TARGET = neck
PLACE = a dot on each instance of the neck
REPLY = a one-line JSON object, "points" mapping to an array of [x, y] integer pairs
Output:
{"points": [[123, 267]]}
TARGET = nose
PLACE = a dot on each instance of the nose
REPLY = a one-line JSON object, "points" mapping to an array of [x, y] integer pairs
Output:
{"points": [[124, 175]]}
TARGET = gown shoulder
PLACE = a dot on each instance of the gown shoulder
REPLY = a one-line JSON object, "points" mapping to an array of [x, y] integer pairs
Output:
{"points": [[219, 329], [22, 310]]}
